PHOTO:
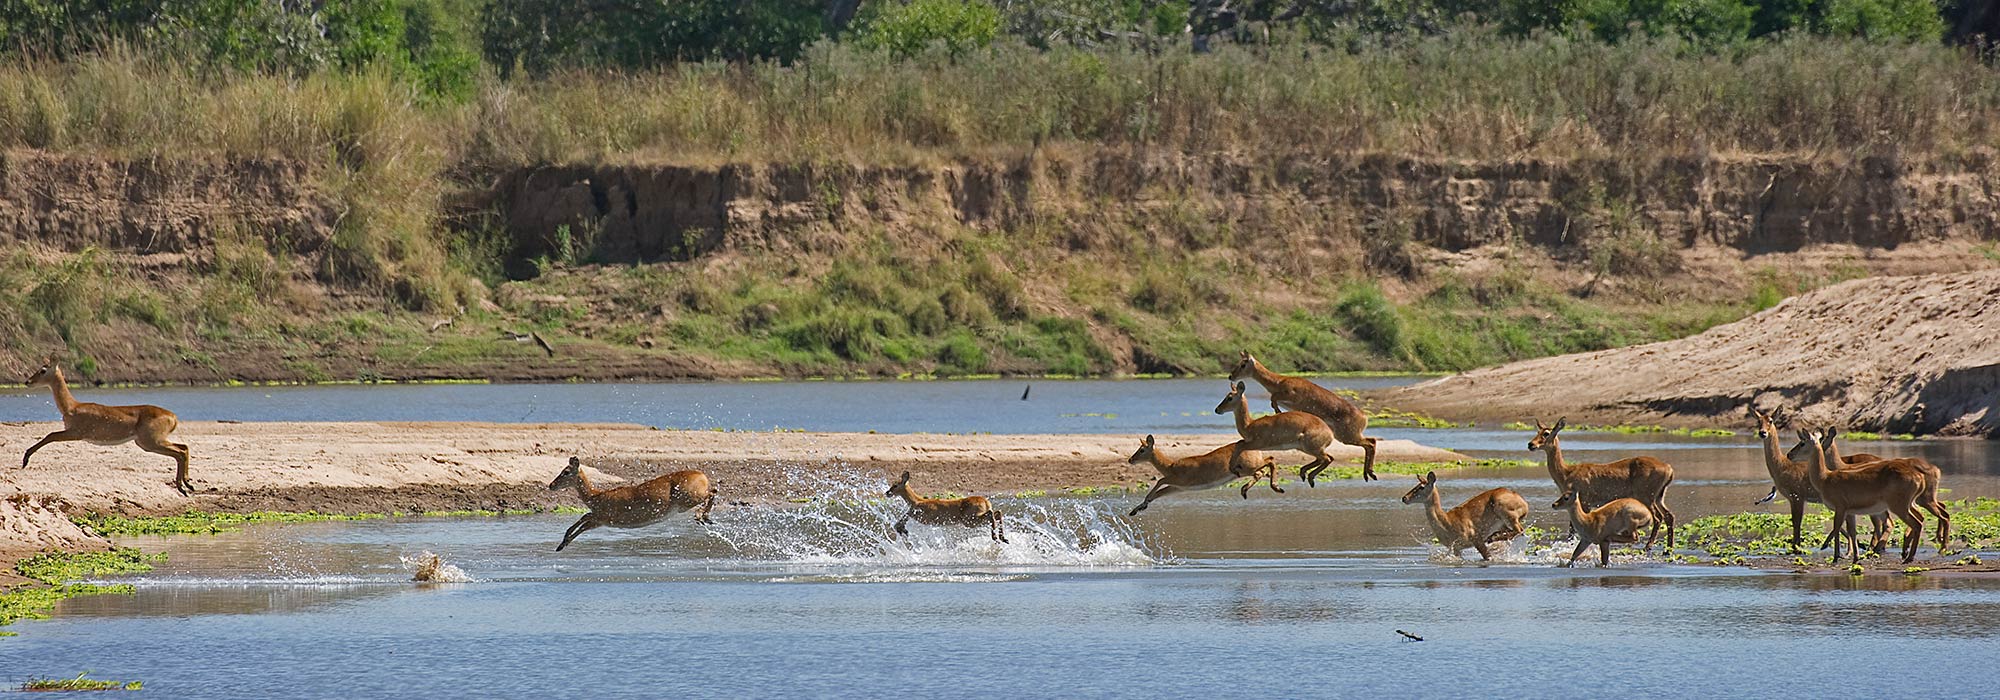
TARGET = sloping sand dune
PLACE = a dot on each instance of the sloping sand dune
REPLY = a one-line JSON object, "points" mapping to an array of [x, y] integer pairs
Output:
{"points": [[1917, 354]]}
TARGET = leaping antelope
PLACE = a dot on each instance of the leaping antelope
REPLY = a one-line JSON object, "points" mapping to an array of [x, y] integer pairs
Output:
{"points": [[971, 511], [635, 505], [146, 425]]}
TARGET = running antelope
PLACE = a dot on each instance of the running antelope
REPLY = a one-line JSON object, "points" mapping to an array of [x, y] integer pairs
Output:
{"points": [[634, 505], [1285, 430], [1927, 499], [971, 511], [1615, 522], [148, 426], [1296, 394], [1220, 466], [1644, 479], [1789, 477], [1492, 516], [1889, 485]]}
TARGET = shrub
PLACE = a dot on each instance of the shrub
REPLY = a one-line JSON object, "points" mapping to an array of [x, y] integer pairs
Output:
{"points": [[907, 29]]}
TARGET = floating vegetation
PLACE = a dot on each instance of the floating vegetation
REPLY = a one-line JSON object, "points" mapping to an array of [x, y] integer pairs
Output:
{"points": [[1634, 430], [1864, 436], [80, 682], [196, 522], [1915, 570], [1976, 522], [1391, 418], [57, 569]]}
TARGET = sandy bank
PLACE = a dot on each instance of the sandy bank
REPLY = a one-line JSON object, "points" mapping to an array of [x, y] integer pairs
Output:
{"points": [[1889, 354], [382, 467]]}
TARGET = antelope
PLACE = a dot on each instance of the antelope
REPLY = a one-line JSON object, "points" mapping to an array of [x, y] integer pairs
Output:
{"points": [[1889, 485], [1618, 521], [1220, 466], [148, 426], [634, 505], [1285, 430], [1644, 479], [1492, 516], [1925, 499], [971, 511], [1299, 394], [1789, 477]]}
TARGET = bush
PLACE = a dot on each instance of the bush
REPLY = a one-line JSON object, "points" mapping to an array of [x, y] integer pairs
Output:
{"points": [[1898, 20], [1372, 317], [907, 29]]}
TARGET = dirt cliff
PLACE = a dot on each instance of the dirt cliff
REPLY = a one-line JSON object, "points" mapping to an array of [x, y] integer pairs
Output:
{"points": [[1917, 354]]}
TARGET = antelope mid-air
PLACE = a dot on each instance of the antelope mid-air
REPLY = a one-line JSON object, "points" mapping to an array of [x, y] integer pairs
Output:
{"points": [[1219, 466], [1299, 394], [634, 505], [970, 511], [148, 426], [1285, 430]]}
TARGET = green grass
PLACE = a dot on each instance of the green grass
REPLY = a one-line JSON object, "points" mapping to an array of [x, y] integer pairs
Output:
{"points": [[79, 683], [1975, 525]]}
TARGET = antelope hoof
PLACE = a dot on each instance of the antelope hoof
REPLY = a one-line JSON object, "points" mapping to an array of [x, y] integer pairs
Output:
{"points": [[1246, 492], [1274, 487], [1369, 475]]}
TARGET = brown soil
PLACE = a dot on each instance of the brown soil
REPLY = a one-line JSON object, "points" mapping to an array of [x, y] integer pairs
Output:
{"points": [[1890, 354], [414, 467]]}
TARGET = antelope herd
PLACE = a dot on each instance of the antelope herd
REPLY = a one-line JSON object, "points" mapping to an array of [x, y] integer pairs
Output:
{"points": [[1607, 503]]}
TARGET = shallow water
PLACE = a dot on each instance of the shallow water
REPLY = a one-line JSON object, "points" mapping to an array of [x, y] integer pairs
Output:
{"points": [[1277, 595], [1206, 593]]}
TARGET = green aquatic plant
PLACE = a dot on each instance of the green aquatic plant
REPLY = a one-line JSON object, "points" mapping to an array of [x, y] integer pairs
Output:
{"points": [[1968, 560], [1391, 418], [1864, 436], [80, 682], [1915, 570], [55, 571], [1855, 570]]}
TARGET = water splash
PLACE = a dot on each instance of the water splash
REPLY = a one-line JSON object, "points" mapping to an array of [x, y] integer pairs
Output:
{"points": [[850, 523], [431, 568]]}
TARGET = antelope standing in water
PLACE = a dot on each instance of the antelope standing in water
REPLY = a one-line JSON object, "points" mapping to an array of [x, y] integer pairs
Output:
{"points": [[971, 511], [1220, 466], [1644, 479], [634, 505], [1492, 516], [1926, 499], [1789, 478], [1285, 430], [1298, 394], [148, 426], [1618, 521], [1891, 486]]}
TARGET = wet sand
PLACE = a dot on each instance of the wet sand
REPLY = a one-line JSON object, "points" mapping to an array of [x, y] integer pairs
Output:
{"points": [[413, 467]]}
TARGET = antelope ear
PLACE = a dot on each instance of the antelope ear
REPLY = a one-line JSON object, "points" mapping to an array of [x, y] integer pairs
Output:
{"points": [[1239, 387], [1243, 354], [1560, 423], [574, 462], [1539, 426], [906, 477], [1149, 441], [1430, 477]]}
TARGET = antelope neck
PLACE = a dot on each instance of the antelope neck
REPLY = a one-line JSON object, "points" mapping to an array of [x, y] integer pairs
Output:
{"points": [[1263, 375], [65, 402]]}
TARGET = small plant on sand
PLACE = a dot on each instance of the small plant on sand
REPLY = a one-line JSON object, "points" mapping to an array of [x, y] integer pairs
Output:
{"points": [[80, 682]]}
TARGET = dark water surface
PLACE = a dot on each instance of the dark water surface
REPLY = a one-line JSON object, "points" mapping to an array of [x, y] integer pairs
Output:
{"points": [[1288, 595]]}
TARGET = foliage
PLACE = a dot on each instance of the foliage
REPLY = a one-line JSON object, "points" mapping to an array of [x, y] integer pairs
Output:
{"points": [[64, 567], [907, 29], [541, 36]]}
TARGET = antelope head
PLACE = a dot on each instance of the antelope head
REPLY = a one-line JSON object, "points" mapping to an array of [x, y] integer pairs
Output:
{"points": [[1569, 495], [48, 373], [1546, 435], [1145, 452], [1765, 428], [1425, 484], [1243, 365], [570, 477], [901, 487], [1229, 402]]}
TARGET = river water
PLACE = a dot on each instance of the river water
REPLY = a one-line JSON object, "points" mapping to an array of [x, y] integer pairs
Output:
{"points": [[1279, 595]]}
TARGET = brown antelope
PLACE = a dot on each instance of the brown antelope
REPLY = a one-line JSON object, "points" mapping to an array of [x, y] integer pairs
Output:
{"points": [[971, 511], [148, 426], [1220, 466], [1866, 489], [1285, 430], [634, 505], [1297, 394], [1615, 522], [1926, 499], [1642, 478], [1789, 477], [1492, 516]]}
